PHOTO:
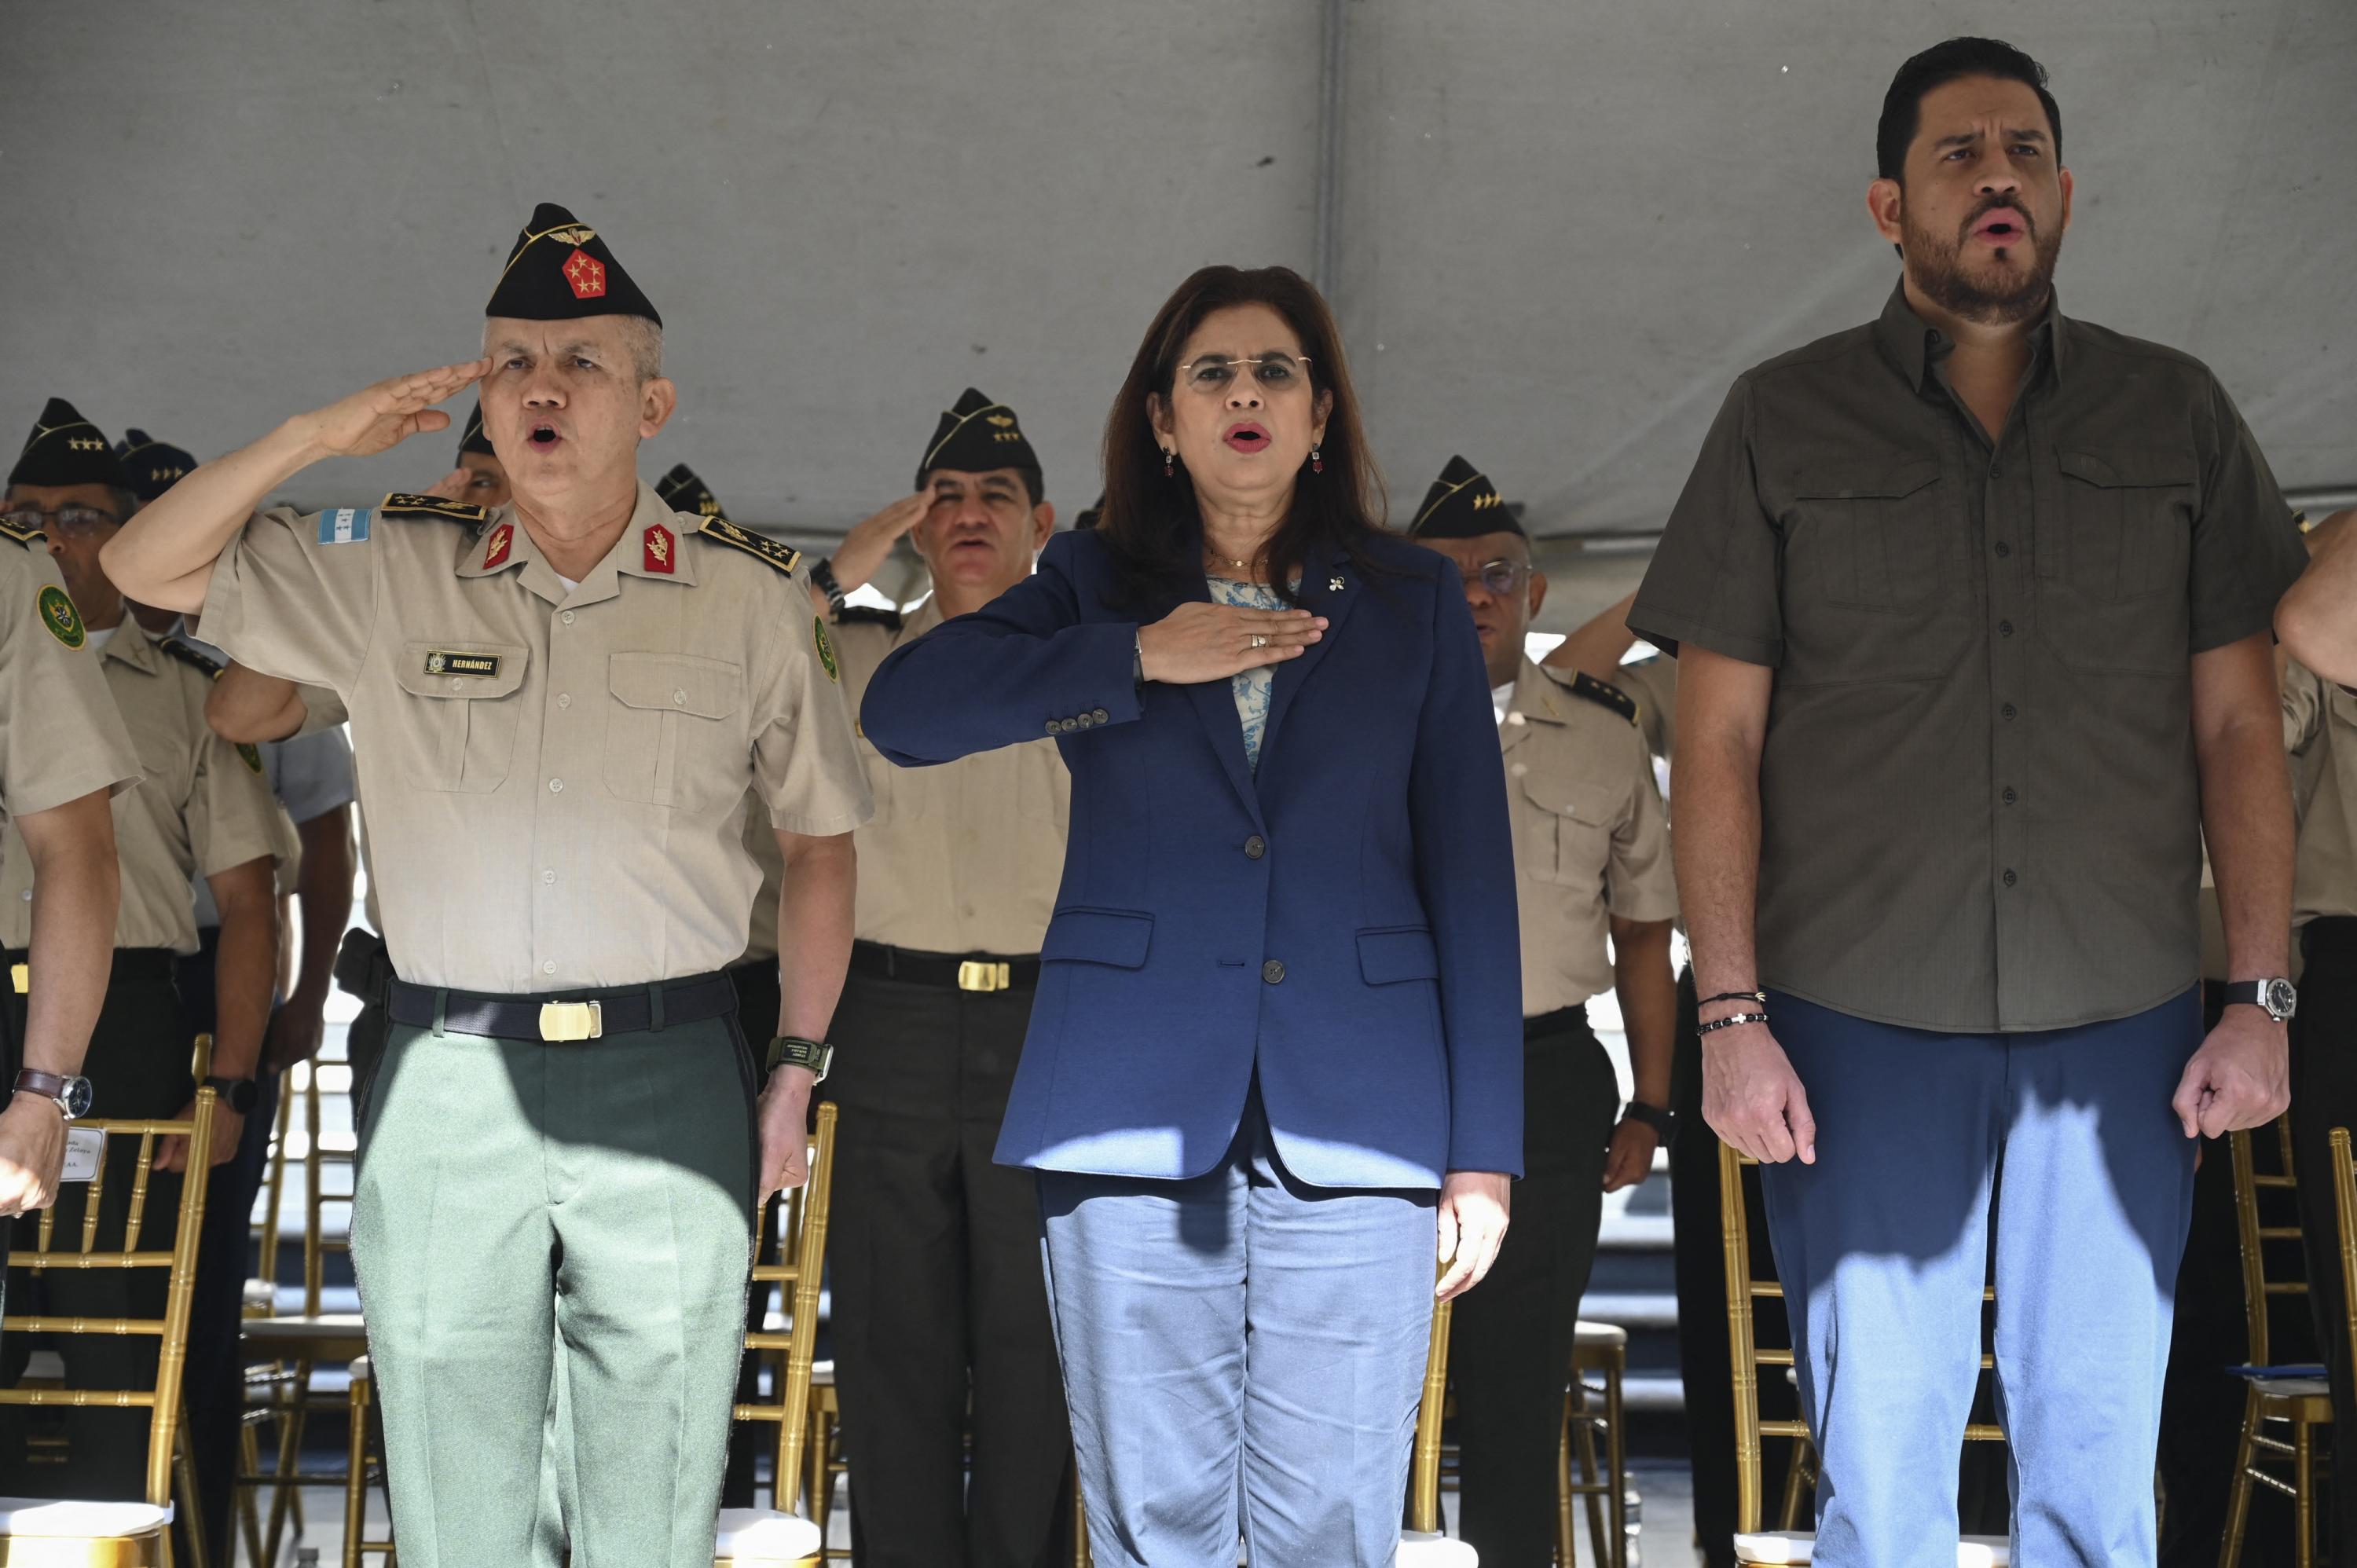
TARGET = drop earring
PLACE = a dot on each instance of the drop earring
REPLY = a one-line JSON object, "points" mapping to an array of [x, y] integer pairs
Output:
{"points": [[1317, 463], [1167, 458]]}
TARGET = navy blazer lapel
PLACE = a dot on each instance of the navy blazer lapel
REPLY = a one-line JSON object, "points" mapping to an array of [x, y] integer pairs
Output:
{"points": [[1215, 705], [1330, 587]]}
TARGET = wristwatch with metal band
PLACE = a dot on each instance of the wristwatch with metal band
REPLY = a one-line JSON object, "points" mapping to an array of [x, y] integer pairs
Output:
{"points": [[2279, 997], [71, 1093], [821, 574]]}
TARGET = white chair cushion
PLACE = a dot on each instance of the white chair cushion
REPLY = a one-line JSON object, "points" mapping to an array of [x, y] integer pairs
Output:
{"points": [[1589, 1334], [1418, 1550], [759, 1535], [33, 1517], [2292, 1388], [823, 1374], [1787, 1546]]}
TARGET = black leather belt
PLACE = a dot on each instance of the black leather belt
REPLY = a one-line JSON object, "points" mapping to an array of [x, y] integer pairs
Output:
{"points": [[560, 1017], [1570, 1020], [971, 972]]}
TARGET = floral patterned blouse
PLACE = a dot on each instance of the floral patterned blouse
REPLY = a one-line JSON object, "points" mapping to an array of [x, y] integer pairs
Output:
{"points": [[1251, 687]]}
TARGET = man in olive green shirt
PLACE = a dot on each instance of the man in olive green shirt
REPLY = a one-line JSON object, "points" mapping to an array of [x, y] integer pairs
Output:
{"points": [[1974, 604]]}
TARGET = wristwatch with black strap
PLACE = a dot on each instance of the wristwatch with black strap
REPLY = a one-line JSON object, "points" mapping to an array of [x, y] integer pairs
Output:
{"points": [[1662, 1121], [792, 1051], [71, 1092], [237, 1094], [2279, 997]]}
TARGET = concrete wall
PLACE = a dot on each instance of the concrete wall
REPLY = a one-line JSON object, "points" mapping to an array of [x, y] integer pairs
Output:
{"points": [[1563, 225]]}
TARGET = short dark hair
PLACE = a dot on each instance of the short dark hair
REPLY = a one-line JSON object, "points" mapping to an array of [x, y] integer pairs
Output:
{"points": [[1902, 106], [1034, 483]]}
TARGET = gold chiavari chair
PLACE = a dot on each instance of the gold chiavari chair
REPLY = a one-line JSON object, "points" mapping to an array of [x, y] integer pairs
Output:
{"points": [[45, 1533], [361, 1411], [1602, 1349], [1423, 1544], [1756, 1548], [778, 1537], [2296, 1400]]}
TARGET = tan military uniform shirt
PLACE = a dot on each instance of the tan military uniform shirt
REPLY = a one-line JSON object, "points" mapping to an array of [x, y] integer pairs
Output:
{"points": [[59, 736], [2321, 731], [1591, 840], [962, 858], [554, 779], [201, 809], [1653, 682]]}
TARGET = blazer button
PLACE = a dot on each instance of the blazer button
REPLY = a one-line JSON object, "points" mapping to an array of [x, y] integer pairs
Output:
{"points": [[1102, 716], [1085, 722], [1052, 726], [1272, 972], [1068, 726], [1255, 847]]}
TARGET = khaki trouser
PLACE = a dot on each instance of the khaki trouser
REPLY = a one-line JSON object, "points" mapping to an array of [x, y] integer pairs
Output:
{"points": [[512, 1193]]}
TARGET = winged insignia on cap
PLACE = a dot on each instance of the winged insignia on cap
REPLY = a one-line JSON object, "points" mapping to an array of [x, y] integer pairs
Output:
{"points": [[579, 234], [1002, 420]]}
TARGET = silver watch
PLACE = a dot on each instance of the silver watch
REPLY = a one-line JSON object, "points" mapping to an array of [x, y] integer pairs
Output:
{"points": [[2279, 997]]}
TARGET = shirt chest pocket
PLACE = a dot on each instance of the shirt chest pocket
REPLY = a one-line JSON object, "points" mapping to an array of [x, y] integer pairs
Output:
{"points": [[673, 736], [1564, 829], [1873, 536], [2126, 522], [458, 714]]}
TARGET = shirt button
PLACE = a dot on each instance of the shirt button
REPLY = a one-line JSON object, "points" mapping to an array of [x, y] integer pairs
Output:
{"points": [[2010, 796], [566, 617], [1272, 972], [2009, 879], [557, 786], [548, 968], [548, 876], [1102, 716], [2004, 551], [2008, 711], [564, 699], [455, 684], [678, 699], [1255, 847], [2005, 628]]}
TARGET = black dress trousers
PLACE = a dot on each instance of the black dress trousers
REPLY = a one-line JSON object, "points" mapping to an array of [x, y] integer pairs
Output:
{"points": [[2324, 1096], [939, 1298], [1510, 1341]]}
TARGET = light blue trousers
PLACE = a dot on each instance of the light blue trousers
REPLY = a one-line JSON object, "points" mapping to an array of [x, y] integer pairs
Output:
{"points": [[1241, 1352], [2056, 1154]]}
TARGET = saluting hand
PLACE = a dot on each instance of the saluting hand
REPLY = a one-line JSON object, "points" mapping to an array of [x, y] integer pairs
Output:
{"points": [[784, 1116], [450, 487], [1198, 642], [391, 410], [1752, 1098]]}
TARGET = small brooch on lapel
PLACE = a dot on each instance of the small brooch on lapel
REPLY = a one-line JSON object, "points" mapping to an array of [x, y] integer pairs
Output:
{"points": [[1335, 585]]}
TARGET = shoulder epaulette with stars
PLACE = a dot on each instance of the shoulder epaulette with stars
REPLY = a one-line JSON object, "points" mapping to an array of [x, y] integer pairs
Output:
{"points": [[784, 557], [28, 537], [1604, 693], [867, 615], [401, 504], [210, 669]]}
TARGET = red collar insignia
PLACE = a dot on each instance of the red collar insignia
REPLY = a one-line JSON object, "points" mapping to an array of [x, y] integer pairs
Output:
{"points": [[661, 548], [497, 556], [586, 274]]}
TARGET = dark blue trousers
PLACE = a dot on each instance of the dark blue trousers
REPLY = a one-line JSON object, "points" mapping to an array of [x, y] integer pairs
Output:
{"points": [[2049, 1162]]}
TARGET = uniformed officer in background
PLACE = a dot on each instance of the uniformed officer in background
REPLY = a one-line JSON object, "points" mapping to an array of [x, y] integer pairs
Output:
{"points": [[55, 782], [558, 709], [1592, 862], [311, 778], [202, 809], [935, 1251]]}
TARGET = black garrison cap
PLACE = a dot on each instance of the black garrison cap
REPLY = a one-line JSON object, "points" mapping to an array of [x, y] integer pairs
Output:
{"points": [[67, 449], [1462, 504], [154, 466], [978, 436], [472, 438], [561, 270], [682, 490]]}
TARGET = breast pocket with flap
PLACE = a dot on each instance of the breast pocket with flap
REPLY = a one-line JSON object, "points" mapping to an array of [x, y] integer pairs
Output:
{"points": [[674, 734], [456, 726]]}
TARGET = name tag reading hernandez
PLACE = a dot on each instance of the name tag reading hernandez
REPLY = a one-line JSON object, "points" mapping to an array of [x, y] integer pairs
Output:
{"points": [[439, 663]]}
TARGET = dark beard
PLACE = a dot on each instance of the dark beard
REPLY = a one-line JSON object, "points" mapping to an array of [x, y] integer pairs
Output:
{"points": [[1937, 267]]}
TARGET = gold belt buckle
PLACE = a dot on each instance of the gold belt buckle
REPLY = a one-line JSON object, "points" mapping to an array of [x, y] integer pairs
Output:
{"points": [[20, 975], [561, 1021], [975, 976]]}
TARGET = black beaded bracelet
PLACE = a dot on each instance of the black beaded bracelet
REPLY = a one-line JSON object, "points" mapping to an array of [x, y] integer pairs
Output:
{"points": [[1730, 1021]]}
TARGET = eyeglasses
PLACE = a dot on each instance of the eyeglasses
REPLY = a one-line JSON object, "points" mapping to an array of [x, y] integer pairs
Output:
{"points": [[1502, 577], [67, 520], [1214, 372]]}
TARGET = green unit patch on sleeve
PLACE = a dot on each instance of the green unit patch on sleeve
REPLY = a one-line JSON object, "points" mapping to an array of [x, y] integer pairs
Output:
{"points": [[58, 613], [252, 754], [825, 649]]}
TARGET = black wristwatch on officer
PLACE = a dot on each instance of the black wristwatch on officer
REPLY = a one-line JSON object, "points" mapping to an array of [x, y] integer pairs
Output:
{"points": [[237, 1094], [70, 1090], [1660, 1119], [792, 1051], [823, 577], [2279, 997]]}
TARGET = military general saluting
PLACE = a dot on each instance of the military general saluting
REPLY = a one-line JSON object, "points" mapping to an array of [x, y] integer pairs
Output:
{"points": [[559, 708]]}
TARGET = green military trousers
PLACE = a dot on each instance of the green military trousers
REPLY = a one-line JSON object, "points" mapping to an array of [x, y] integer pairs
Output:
{"points": [[513, 1196]]}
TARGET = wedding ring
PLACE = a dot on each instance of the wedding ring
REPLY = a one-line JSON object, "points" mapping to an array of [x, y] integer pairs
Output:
{"points": [[1259, 641]]}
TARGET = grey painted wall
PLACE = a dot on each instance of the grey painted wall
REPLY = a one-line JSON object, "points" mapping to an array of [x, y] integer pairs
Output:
{"points": [[1564, 225]]}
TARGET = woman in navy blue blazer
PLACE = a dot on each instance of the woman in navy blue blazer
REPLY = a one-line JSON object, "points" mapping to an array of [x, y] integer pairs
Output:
{"points": [[1276, 1053]]}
